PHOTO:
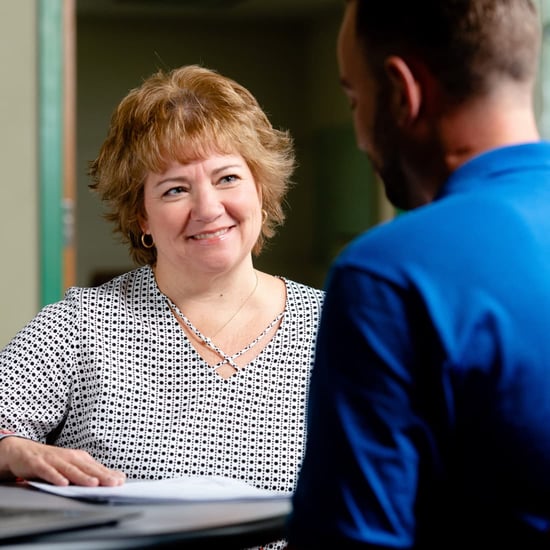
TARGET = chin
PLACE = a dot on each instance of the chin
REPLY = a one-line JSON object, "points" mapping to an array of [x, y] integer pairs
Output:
{"points": [[396, 191]]}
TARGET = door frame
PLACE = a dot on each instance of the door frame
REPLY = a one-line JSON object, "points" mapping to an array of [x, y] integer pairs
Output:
{"points": [[57, 148]]}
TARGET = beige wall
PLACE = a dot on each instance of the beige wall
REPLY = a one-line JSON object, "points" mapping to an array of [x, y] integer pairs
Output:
{"points": [[19, 274]]}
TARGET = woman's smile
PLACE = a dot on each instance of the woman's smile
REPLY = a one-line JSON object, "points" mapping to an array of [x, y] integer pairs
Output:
{"points": [[210, 234]]}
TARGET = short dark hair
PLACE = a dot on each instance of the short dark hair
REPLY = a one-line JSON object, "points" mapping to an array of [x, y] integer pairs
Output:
{"points": [[469, 45]]}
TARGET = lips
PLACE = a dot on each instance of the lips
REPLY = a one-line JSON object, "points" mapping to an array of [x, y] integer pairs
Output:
{"points": [[210, 235]]}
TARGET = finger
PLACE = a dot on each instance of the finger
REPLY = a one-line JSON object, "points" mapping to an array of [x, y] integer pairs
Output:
{"points": [[46, 472], [64, 473], [59, 466], [82, 469], [26, 459]]}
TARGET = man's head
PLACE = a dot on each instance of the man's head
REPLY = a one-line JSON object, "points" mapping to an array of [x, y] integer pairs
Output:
{"points": [[409, 67]]}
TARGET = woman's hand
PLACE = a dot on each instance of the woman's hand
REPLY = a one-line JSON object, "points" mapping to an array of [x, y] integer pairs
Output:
{"points": [[27, 459]]}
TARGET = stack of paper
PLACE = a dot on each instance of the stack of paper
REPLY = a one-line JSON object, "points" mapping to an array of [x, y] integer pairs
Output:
{"points": [[189, 488]]}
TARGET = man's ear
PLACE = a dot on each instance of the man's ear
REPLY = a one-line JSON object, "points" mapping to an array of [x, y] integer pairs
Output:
{"points": [[406, 90]]}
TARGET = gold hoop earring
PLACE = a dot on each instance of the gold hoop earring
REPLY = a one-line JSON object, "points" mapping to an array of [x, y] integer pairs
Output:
{"points": [[264, 216], [146, 244]]}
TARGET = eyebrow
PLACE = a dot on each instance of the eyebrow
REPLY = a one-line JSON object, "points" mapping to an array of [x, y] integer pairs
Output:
{"points": [[226, 167], [183, 179]]}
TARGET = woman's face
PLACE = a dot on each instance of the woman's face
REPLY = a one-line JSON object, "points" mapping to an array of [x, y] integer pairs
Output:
{"points": [[204, 216]]}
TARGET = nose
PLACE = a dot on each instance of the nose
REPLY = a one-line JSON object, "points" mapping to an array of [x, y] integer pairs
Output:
{"points": [[206, 204]]}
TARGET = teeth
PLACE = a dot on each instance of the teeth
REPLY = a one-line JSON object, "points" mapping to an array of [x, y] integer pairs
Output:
{"points": [[210, 235]]}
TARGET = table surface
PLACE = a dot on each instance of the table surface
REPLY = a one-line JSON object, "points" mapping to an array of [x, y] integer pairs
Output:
{"points": [[227, 524]]}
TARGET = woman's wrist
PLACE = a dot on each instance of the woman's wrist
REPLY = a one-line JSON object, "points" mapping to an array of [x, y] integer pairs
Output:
{"points": [[6, 433]]}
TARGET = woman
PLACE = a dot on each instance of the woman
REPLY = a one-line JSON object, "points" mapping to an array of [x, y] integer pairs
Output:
{"points": [[195, 362]]}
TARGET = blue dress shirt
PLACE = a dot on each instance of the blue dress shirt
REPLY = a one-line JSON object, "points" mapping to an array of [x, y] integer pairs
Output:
{"points": [[429, 407]]}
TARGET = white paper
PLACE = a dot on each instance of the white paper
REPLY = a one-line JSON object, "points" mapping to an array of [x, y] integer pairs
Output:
{"points": [[189, 488]]}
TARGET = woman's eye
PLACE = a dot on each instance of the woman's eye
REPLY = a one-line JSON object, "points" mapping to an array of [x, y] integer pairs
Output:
{"points": [[173, 191], [229, 178]]}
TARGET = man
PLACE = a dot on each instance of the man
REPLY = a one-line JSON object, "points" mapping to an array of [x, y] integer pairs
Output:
{"points": [[429, 408]]}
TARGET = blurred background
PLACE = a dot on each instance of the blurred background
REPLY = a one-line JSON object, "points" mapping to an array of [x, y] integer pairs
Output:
{"points": [[283, 51], [66, 65]]}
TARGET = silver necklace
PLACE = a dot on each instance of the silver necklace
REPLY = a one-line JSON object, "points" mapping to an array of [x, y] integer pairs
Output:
{"points": [[239, 308], [226, 359]]}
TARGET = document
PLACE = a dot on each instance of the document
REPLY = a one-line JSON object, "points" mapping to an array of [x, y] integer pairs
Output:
{"points": [[180, 489]]}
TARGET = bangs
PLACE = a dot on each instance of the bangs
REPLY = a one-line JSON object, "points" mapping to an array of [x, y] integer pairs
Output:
{"points": [[185, 137]]}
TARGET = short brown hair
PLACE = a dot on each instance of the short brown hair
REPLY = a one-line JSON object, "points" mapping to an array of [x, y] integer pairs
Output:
{"points": [[184, 115], [470, 46]]}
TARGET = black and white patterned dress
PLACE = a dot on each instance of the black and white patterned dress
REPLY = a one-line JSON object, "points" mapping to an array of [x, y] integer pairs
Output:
{"points": [[109, 370]]}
